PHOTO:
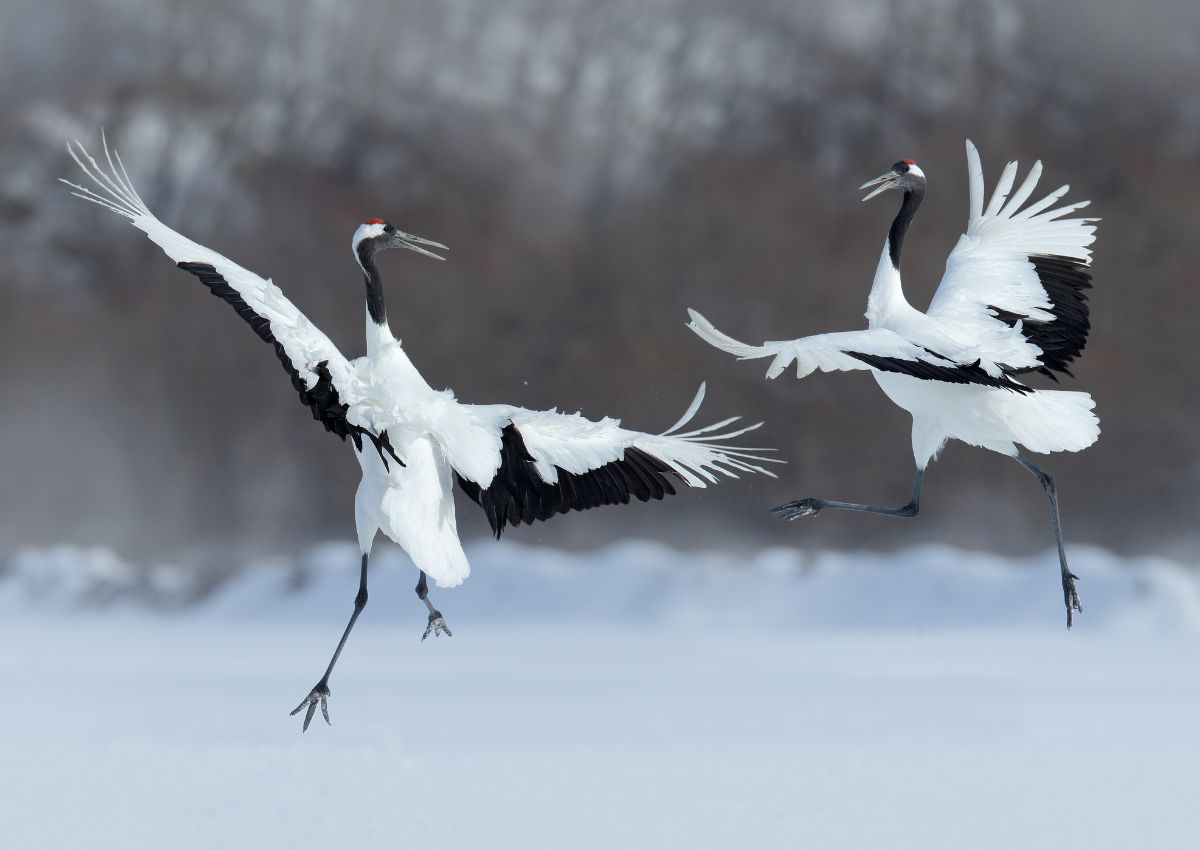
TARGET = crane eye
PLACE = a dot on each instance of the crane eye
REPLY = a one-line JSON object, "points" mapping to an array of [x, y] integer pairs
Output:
{"points": [[387, 228]]}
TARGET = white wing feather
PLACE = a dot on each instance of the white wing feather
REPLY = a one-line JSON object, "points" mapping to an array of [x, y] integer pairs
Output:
{"points": [[570, 442], [826, 352], [305, 345], [990, 267]]}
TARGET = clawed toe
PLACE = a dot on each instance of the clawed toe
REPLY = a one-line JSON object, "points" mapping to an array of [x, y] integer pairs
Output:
{"points": [[1071, 597], [800, 508], [437, 626], [319, 694]]}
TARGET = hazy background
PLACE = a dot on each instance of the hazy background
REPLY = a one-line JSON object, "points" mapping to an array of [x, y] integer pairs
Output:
{"points": [[596, 167]]}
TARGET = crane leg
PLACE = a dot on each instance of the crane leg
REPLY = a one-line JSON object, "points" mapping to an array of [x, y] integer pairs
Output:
{"points": [[812, 507], [436, 625], [1070, 593], [320, 692]]}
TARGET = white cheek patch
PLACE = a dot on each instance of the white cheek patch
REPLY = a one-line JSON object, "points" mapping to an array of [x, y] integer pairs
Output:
{"points": [[916, 169], [365, 231]]}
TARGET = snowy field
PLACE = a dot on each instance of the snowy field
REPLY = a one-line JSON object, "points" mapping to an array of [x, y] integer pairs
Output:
{"points": [[636, 697]]}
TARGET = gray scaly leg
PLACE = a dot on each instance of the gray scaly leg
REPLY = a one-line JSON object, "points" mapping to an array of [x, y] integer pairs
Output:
{"points": [[320, 691], [436, 625], [1070, 593], [811, 507]]}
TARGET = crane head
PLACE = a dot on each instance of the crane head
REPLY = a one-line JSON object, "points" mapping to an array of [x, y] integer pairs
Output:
{"points": [[375, 234], [905, 174]]}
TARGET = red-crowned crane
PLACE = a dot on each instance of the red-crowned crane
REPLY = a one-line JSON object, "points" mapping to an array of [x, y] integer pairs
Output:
{"points": [[415, 443], [1012, 301]]}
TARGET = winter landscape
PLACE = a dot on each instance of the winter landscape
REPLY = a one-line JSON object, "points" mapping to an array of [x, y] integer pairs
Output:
{"points": [[178, 538], [636, 696]]}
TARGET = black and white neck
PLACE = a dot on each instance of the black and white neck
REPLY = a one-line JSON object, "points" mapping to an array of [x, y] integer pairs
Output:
{"points": [[368, 239], [372, 236], [908, 208], [887, 297]]}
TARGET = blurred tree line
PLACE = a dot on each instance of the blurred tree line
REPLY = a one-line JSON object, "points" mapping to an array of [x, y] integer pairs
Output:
{"points": [[596, 167]]}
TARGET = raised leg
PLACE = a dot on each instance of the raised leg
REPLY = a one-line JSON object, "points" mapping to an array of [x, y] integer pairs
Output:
{"points": [[436, 624], [320, 692], [1070, 593], [812, 507]]}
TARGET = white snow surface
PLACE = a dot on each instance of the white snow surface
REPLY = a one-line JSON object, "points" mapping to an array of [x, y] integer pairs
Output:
{"points": [[632, 697]]}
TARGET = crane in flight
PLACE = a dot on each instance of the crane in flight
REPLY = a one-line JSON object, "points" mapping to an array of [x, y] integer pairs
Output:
{"points": [[1012, 301], [414, 443]]}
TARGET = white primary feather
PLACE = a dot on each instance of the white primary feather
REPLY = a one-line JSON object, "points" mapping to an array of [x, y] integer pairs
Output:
{"points": [[1022, 194], [700, 455], [1003, 185]]}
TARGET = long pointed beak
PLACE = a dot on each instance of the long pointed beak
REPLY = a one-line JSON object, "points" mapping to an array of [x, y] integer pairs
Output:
{"points": [[414, 243], [881, 183]]}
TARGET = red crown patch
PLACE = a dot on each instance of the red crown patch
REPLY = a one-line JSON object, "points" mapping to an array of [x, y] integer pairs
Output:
{"points": [[375, 221], [905, 161]]}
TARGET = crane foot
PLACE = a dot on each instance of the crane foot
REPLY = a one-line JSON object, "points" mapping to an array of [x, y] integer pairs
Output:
{"points": [[1071, 597], [799, 508], [437, 626], [319, 694]]}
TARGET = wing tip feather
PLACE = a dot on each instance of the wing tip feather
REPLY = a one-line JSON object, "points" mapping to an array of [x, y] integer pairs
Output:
{"points": [[116, 191]]}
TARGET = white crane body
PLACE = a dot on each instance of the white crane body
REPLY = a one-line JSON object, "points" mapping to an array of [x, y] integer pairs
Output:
{"points": [[414, 443], [1012, 301]]}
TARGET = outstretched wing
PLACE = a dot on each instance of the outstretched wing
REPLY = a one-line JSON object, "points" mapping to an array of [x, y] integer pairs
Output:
{"points": [[535, 464], [1016, 281], [876, 348], [324, 379]]}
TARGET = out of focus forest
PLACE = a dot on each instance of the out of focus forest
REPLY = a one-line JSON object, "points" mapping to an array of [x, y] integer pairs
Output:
{"points": [[597, 166]]}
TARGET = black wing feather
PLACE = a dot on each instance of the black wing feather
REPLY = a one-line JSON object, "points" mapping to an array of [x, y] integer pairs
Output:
{"points": [[517, 494], [322, 399], [1061, 340], [971, 373]]}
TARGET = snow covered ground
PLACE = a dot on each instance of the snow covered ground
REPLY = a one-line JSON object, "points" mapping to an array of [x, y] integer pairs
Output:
{"points": [[635, 697]]}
